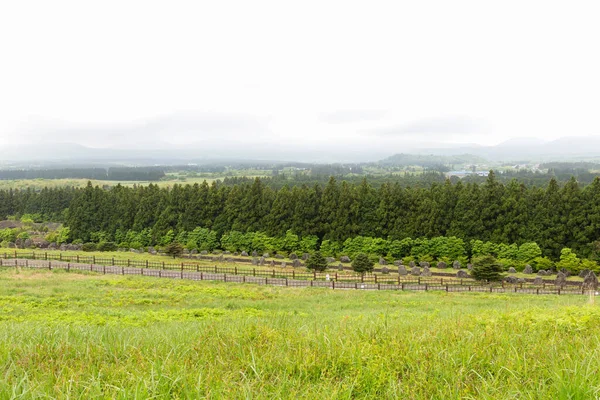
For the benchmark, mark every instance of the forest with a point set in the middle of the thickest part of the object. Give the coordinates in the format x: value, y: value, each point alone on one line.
x: 555, y: 216
x: 112, y: 173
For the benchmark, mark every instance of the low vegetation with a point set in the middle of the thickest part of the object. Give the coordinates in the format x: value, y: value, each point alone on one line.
x: 72, y: 335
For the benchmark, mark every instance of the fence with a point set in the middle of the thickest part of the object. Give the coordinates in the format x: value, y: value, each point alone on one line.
x: 302, y: 280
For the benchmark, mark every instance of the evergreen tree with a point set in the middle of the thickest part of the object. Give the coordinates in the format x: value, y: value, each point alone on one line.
x: 316, y: 262
x: 362, y: 264
x: 486, y: 268
x: 174, y: 249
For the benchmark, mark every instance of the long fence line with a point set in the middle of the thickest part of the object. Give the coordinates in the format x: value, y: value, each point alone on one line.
x: 263, y: 271
x: 420, y: 284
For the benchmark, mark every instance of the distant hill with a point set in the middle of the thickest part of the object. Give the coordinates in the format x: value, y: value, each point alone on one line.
x: 431, y: 160
x: 567, y: 148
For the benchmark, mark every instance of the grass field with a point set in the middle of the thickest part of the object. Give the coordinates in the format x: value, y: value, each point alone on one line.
x: 76, y: 335
x: 169, y: 180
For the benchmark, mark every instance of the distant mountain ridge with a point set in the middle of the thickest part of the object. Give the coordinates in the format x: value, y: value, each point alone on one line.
x: 431, y: 160
x: 562, y: 149
x: 526, y: 148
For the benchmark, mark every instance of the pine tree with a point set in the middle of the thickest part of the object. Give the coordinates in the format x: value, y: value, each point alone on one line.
x: 174, y: 249
x: 486, y: 268
x: 316, y: 262
x: 362, y: 263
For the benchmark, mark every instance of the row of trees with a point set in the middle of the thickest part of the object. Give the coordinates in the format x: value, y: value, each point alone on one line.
x: 112, y: 173
x: 554, y: 217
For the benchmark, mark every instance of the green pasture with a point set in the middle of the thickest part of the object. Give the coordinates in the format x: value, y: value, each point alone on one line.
x: 86, y: 336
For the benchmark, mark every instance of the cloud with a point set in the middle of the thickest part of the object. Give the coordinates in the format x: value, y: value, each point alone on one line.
x: 174, y: 128
x: 349, y: 116
x: 434, y: 127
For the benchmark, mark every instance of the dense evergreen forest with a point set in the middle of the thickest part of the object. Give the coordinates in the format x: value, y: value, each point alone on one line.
x: 111, y: 174
x: 554, y: 216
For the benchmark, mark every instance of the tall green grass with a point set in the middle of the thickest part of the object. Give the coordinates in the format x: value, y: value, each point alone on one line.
x: 70, y: 335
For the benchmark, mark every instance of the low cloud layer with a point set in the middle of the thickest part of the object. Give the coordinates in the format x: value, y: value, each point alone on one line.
x: 350, y: 116
x: 435, y: 128
x: 180, y: 128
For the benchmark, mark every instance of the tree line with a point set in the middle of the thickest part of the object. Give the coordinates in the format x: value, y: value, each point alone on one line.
x: 112, y: 173
x: 554, y: 216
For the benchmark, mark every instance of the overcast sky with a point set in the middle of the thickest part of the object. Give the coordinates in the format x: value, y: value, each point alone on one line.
x: 377, y: 74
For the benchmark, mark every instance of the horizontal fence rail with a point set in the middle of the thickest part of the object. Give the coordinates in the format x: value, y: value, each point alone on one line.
x: 300, y: 279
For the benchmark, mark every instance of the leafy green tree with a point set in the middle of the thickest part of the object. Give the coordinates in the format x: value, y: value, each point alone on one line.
x: 569, y: 261
x: 174, y: 250
x: 542, y: 263
x: 290, y: 242
x: 486, y: 268
x: 362, y: 263
x: 317, y: 262
x: 528, y: 252
x: 329, y: 248
x: 167, y: 237
x: 401, y: 248
x: 308, y: 243
x: 507, y: 251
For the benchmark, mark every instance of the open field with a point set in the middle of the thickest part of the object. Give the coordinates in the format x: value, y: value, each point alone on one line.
x: 81, y: 335
x: 170, y: 180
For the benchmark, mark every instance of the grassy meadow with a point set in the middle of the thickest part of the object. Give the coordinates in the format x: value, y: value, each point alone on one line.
x: 169, y: 180
x: 86, y: 336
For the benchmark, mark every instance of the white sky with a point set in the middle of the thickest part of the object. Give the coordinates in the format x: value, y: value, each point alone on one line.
x: 370, y: 73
